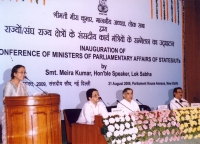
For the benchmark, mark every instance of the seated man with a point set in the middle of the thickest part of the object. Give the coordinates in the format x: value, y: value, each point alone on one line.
x: 92, y: 107
x: 178, y: 101
x: 129, y: 105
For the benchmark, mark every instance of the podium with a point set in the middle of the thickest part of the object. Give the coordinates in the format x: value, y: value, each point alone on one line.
x: 33, y: 119
x: 88, y: 134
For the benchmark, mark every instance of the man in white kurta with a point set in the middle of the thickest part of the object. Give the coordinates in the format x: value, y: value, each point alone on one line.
x: 129, y: 105
x: 92, y: 107
x: 178, y: 102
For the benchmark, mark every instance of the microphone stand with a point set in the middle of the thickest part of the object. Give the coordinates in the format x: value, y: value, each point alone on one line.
x: 183, y: 101
x: 139, y: 101
x: 102, y: 101
x: 36, y: 85
x: 124, y: 106
x: 178, y: 103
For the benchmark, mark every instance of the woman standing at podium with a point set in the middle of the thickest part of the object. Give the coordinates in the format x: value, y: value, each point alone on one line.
x: 14, y: 87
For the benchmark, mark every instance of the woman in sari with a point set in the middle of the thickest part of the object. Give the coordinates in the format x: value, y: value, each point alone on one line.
x: 14, y: 87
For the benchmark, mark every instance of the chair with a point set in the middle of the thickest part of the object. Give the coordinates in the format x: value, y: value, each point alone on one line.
x: 110, y: 108
x: 70, y: 116
x: 144, y: 107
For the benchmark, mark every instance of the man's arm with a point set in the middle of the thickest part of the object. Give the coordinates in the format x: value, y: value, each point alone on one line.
x: 173, y: 105
x: 89, y: 116
x: 185, y: 103
x: 103, y: 109
x: 138, y: 108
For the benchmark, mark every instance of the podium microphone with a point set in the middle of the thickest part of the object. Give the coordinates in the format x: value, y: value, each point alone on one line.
x: 183, y: 101
x: 178, y: 103
x: 102, y: 101
x: 35, y: 85
x: 139, y: 101
x: 124, y: 105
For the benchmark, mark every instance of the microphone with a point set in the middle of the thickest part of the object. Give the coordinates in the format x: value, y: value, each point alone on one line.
x: 182, y: 101
x: 102, y: 101
x: 139, y: 101
x: 35, y: 85
x: 124, y: 106
x: 178, y: 103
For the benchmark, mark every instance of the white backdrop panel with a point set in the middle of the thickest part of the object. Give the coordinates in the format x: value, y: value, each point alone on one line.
x: 38, y: 16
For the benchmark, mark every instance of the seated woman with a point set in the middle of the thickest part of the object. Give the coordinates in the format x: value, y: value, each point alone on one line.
x: 14, y: 87
x: 92, y: 107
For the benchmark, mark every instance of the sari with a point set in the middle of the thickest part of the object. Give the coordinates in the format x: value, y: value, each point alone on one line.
x: 11, y: 90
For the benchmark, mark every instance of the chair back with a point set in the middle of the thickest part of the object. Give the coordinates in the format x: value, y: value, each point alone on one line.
x: 144, y: 107
x: 110, y: 108
x: 70, y: 116
x: 169, y: 106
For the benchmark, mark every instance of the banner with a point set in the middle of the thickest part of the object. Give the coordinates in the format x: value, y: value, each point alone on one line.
x: 69, y: 46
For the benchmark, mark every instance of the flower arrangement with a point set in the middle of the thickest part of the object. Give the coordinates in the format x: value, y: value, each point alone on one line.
x: 120, y: 129
x: 160, y: 126
x: 142, y: 127
x: 189, y: 119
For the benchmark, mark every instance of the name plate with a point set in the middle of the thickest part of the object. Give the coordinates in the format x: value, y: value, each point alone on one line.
x: 117, y: 110
x: 195, y: 104
x: 163, y: 107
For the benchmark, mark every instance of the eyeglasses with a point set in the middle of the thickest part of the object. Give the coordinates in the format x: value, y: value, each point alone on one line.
x: 22, y: 73
x: 96, y: 96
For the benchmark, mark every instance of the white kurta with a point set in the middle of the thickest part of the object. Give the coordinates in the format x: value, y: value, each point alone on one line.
x: 133, y: 106
x: 175, y: 105
x: 89, y: 110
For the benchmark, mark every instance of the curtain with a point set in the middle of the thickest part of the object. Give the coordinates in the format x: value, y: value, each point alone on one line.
x: 191, y: 61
